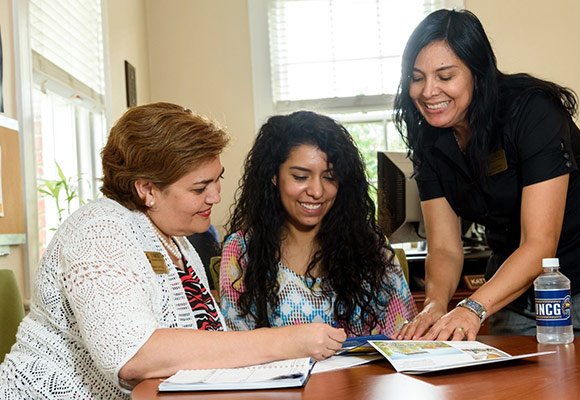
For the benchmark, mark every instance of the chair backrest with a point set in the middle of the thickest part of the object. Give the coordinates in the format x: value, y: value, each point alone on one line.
x: 400, y: 253
x: 214, y: 269
x: 11, y: 310
x: 206, y: 247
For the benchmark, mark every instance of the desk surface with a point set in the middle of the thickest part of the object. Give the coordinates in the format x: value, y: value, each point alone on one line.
x: 553, y: 376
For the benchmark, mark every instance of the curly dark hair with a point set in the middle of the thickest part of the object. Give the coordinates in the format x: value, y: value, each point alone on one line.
x: 496, y: 96
x: 352, y: 256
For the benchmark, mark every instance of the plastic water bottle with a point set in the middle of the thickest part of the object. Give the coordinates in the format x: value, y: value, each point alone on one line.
x: 553, y: 305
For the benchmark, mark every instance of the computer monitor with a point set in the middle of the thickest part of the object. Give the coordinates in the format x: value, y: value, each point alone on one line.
x: 399, y: 207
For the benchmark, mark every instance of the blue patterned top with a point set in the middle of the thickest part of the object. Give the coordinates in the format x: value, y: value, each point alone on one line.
x: 302, y: 300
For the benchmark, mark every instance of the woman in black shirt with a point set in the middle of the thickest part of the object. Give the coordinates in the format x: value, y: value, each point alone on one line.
x: 497, y: 149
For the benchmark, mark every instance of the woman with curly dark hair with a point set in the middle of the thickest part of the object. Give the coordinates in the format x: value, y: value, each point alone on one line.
x: 304, y: 245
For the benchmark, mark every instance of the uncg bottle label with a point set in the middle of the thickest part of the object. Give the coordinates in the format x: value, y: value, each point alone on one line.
x: 553, y: 308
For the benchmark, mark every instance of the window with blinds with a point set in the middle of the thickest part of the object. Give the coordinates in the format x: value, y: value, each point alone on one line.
x: 347, y: 52
x: 66, y: 39
x: 68, y: 104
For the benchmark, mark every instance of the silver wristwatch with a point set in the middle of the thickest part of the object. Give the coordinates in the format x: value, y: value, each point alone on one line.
x: 475, y: 307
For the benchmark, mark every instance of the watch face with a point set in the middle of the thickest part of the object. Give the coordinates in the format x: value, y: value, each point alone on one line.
x: 474, y: 306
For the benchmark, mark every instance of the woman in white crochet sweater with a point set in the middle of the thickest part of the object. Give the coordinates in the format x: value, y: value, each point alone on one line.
x: 120, y: 294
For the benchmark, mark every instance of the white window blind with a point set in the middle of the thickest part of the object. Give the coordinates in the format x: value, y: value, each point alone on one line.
x: 339, y: 54
x: 67, y: 46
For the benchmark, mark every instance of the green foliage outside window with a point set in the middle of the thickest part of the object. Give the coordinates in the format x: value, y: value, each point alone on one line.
x: 63, y: 191
x: 371, y: 137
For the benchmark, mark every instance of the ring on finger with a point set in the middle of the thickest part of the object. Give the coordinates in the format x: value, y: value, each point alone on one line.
x: 460, y: 329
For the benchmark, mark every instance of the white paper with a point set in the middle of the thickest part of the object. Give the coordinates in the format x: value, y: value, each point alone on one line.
x: 340, y: 362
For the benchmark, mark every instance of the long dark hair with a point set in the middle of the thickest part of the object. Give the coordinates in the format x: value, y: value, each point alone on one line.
x: 352, y: 257
x: 464, y: 34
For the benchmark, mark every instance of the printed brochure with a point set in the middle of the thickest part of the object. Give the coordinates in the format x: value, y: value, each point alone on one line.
x: 418, y: 356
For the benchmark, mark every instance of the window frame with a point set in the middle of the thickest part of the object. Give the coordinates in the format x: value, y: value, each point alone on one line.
x: 82, y: 137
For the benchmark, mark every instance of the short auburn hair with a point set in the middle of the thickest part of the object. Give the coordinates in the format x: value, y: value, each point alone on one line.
x: 158, y: 142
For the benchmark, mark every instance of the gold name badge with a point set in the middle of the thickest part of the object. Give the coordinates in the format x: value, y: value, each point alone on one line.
x: 497, y: 163
x: 157, y: 262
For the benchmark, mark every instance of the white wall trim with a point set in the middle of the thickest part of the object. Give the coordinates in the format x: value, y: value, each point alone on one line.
x: 107, y: 67
x: 9, y: 123
x: 23, y: 68
x: 260, y: 58
x: 455, y: 4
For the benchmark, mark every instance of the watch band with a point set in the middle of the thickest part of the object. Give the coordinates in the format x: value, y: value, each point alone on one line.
x: 475, y: 307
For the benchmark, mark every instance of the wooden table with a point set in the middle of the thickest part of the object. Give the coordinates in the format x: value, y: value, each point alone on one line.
x: 554, y: 376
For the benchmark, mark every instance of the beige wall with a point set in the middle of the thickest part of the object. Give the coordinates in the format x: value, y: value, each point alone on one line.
x: 127, y: 40
x: 192, y: 53
x: 200, y: 58
x: 535, y: 36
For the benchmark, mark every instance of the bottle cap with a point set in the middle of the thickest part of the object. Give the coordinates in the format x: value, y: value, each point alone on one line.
x: 550, y: 262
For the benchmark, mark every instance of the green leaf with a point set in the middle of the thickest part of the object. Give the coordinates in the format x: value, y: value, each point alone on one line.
x: 60, y: 173
x: 53, y: 189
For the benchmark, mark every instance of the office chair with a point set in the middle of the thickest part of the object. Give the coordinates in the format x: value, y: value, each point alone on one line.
x: 400, y: 254
x: 11, y: 311
x: 207, y: 247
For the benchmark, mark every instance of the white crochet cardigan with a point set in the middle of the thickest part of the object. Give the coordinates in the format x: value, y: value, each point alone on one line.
x: 97, y: 300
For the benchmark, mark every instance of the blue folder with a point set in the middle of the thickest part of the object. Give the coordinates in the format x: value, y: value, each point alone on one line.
x: 358, y: 344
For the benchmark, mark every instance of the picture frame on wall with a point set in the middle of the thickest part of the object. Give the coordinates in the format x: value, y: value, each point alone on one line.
x: 130, y: 84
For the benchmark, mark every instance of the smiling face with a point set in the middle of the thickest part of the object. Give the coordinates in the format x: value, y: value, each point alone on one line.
x: 184, y: 207
x: 307, y: 187
x: 441, y: 86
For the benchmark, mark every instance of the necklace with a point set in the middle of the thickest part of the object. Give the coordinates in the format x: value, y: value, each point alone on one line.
x: 169, y: 245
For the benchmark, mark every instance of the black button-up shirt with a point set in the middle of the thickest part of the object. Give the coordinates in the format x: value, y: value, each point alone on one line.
x: 540, y: 144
